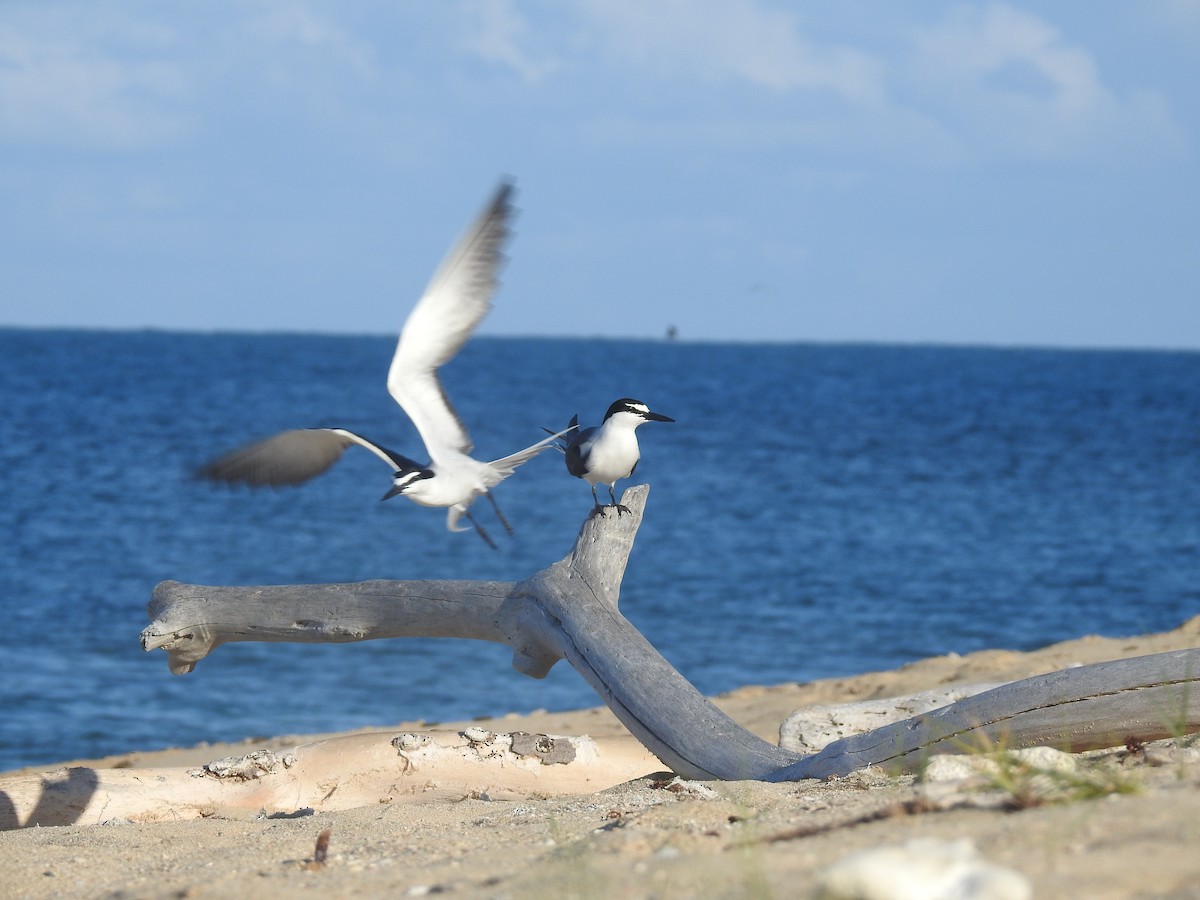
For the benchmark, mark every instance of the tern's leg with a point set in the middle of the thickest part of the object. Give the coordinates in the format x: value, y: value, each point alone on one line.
x: 483, y: 534
x: 499, y: 515
x: 613, y: 497
x: 596, y: 503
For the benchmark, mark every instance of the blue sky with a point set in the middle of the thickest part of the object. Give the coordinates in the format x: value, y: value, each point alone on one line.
x: 1000, y: 173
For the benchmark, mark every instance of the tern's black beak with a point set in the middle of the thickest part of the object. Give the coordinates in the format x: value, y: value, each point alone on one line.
x: 391, y: 493
x: 658, y: 417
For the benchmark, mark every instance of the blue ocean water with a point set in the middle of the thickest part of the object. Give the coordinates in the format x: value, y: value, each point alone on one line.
x: 815, y: 511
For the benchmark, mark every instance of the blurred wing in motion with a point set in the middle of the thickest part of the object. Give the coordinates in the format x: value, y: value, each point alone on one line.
x: 292, y: 457
x: 499, y: 469
x: 455, y: 301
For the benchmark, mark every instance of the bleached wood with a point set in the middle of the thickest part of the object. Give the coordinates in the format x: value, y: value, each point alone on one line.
x: 810, y: 729
x: 339, y: 773
x: 1081, y: 708
x: 189, y: 621
x: 570, y: 610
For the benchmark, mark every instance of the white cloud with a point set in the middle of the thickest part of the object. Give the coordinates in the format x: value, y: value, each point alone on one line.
x: 1008, y: 82
x: 498, y: 33
x: 1182, y: 17
x: 971, y: 46
x: 282, y: 27
x: 718, y: 40
x: 125, y: 76
x: 61, y: 81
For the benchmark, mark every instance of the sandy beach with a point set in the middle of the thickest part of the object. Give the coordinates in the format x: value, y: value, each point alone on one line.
x: 654, y: 836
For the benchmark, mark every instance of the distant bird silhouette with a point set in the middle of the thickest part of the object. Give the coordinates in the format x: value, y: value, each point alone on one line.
x: 607, y: 453
x: 454, y: 303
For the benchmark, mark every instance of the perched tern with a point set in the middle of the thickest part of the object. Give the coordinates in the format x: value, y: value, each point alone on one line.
x: 607, y: 453
x: 454, y: 302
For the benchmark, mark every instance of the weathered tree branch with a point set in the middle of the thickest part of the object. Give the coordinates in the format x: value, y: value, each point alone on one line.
x: 189, y: 621
x: 566, y: 611
x: 570, y: 611
x: 1082, y: 708
x: 339, y: 773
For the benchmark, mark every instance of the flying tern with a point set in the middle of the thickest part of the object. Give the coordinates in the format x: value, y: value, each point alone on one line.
x: 454, y: 302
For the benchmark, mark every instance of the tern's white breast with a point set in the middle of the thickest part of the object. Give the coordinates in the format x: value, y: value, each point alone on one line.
x: 458, y: 481
x: 612, y: 456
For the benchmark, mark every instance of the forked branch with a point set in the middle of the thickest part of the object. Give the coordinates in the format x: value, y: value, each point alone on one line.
x: 570, y: 611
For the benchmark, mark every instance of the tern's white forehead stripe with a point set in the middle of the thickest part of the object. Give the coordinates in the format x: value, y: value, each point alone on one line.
x: 628, y: 405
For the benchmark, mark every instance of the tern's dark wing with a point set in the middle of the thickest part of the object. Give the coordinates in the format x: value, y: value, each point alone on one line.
x: 292, y: 457
x: 577, y: 450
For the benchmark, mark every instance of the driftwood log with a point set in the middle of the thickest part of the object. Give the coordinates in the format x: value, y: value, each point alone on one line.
x: 570, y: 611
x: 345, y: 772
x: 567, y: 611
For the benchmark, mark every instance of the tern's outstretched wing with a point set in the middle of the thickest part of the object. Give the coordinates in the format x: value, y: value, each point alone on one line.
x: 455, y: 301
x: 499, y: 469
x: 292, y: 457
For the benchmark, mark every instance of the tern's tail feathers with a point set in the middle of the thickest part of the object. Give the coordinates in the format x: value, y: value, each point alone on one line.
x: 560, y: 442
x: 499, y: 469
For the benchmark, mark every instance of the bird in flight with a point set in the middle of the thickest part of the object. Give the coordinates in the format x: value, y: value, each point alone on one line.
x: 454, y: 303
x: 607, y: 453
